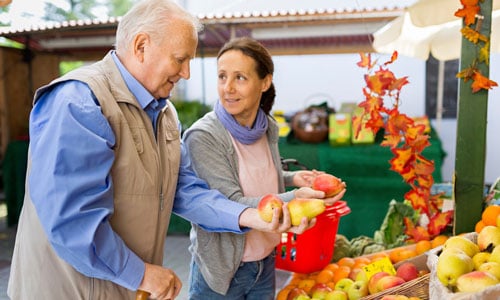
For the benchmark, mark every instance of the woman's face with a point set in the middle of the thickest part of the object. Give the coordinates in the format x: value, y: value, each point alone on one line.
x: 239, y: 86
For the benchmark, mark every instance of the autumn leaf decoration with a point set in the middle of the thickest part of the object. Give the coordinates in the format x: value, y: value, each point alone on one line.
x: 470, y: 13
x: 406, y: 139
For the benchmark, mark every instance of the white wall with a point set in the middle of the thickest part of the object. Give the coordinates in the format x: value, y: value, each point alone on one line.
x: 304, y: 80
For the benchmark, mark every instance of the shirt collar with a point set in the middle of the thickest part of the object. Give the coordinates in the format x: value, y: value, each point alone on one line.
x: 136, y: 88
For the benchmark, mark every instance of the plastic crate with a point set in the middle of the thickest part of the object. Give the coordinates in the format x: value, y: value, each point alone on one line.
x: 312, y: 250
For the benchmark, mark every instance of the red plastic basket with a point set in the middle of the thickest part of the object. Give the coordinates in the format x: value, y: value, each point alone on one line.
x: 312, y: 250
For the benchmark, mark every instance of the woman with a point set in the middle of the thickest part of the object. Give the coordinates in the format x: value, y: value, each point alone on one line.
x: 235, y: 149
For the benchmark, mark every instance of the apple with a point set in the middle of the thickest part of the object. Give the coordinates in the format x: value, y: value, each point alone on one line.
x: 388, y: 282
x: 495, y: 255
x: 267, y: 205
x: 491, y: 267
x: 480, y: 258
x: 361, y: 276
x: 451, y: 265
x: 328, y: 183
x: 469, y: 247
x: 354, y: 273
x: 358, y: 290
x: 295, y: 293
x: 344, y: 284
x: 372, y: 282
x: 319, y: 291
x: 407, y: 270
x: 336, y: 295
x: 475, y: 281
x: 489, y: 235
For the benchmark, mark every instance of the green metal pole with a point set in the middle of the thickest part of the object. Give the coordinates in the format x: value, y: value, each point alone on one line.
x: 471, y: 136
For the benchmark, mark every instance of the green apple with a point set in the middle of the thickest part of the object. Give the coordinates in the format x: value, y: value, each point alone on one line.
x: 344, y: 284
x: 451, y: 265
x: 491, y: 267
x: 475, y: 281
x: 336, y: 295
x: 358, y: 290
x: 489, y: 235
x: 480, y: 258
x: 469, y: 247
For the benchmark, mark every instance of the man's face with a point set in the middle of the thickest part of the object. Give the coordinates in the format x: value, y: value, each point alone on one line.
x: 166, y: 62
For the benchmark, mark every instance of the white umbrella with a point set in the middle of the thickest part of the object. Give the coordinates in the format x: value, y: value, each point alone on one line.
x: 442, y: 40
x: 430, y: 27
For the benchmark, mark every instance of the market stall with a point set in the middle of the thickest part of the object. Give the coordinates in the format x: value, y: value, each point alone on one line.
x: 365, y: 169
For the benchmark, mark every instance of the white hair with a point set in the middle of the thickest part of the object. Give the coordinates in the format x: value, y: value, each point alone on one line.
x: 151, y: 17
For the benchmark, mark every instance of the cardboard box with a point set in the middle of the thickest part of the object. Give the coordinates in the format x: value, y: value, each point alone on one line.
x: 339, y: 129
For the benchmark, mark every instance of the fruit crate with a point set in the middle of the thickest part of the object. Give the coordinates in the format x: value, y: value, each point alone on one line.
x: 418, y: 287
x: 312, y: 250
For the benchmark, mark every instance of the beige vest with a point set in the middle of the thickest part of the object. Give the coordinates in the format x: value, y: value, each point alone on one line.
x: 144, y: 169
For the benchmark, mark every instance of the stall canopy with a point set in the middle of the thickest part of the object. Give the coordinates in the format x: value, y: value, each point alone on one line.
x: 315, y: 31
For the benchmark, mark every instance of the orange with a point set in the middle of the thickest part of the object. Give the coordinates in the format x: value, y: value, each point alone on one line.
x: 332, y: 267
x: 341, y: 272
x: 422, y: 246
x: 378, y: 255
x: 438, y: 240
x: 400, y: 254
x: 346, y: 261
x: 490, y: 214
x: 361, y: 261
x: 306, y: 284
x: 325, y: 276
x: 283, y: 294
x: 479, y: 226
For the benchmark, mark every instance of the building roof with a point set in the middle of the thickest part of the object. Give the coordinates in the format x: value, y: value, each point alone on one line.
x: 290, y: 31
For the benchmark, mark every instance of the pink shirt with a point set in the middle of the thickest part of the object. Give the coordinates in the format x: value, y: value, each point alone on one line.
x: 258, y: 177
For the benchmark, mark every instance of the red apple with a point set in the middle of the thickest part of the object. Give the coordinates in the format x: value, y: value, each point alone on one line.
x: 320, y: 290
x: 372, y: 282
x: 329, y: 184
x: 295, y: 293
x: 407, y: 270
x: 267, y: 205
x: 388, y: 282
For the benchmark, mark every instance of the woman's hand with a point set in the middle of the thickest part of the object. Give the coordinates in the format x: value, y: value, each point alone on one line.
x: 305, y: 178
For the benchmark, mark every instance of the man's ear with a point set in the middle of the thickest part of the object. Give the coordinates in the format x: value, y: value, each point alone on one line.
x: 140, y: 43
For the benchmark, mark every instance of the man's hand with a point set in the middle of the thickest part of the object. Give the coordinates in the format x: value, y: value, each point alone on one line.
x: 250, y: 218
x: 160, y: 282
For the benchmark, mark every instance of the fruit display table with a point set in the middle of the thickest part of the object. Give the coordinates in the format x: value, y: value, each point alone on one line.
x: 365, y: 169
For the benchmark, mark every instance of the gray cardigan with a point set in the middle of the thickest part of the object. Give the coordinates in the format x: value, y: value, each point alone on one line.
x: 218, y: 254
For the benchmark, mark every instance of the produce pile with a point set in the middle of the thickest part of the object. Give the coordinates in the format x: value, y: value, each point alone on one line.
x: 346, y: 278
x: 471, y: 263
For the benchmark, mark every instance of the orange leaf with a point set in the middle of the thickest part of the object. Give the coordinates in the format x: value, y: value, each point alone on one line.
x: 365, y: 61
x: 417, y: 233
x: 481, y: 82
x: 417, y: 200
x: 466, y: 73
x: 394, y: 56
x: 391, y: 140
x: 472, y: 35
x: 439, y: 221
x: 401, y: 158
x: 468, y: 12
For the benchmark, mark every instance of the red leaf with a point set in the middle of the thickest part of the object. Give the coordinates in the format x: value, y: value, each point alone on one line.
x: 439, y: 221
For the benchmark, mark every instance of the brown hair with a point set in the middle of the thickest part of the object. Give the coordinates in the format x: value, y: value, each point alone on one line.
x: 264, y: 62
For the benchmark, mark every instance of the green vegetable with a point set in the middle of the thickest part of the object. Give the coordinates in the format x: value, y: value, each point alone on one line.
x: 391, y: 233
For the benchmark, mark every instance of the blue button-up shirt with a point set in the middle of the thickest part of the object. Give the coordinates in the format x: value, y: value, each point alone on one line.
x: 71, y: 151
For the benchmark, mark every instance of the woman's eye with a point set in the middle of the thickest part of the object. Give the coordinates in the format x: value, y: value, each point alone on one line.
x: 240, y: 77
